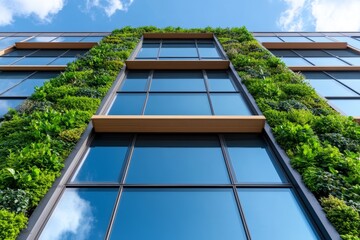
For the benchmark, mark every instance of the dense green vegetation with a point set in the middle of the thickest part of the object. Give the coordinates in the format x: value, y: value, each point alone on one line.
x: 322, y: 145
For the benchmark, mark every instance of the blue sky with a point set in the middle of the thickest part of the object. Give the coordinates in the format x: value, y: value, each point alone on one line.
x: 106, y: 15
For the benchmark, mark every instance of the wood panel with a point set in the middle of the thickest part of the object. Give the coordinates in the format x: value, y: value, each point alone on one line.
x: 178, y: 35
x: 305, y: 45
x: 177, y: 64
x: 55, y: 45
x: 7, y: 50
x: 178, y: 124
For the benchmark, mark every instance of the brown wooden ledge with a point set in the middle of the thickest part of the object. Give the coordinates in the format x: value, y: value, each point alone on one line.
x: 55, y: 45
x: 305, y: 45
x: 178, y: 124
x: 178, y: 35
x: 177, y: 64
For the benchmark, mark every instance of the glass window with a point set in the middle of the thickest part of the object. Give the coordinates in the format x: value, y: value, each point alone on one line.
x: 26, y: 88
x: 343, y: 52
x: 149, y: 50
x: 135, y: 81
x: 5, y: 104
x: 349, y: 107
x: 345, y: 75
x: 44, y: 75
x: 48, y: 53
x: 41, y: 39
x: 178, y: 214
x: 8, y: 60
x: 35, y: 61
x: 349, y: 40
x: 275, y: 214
x: 68, y: 39
x: 171, y: 49
x: 10, y: 41
x: 316, y: 75
x: 352, y: 83
x: 178, y: 104
x: 268, y: 39
x: 312, y: 53
x: 10, y: 79
x: 208, y: 50
x: 284, y: 53
x: 173, y: 81
x: 331, y: 87
x: 91, y: 39
x: 295, y: 61
x: 6, y: 84
x: 229, y: 104
x: 326, y: 61
x: 74, y: 53
x: 19, y: 53
x: 320, y: 39
x: 63, y: 61
x: 82, y: 213
x: 128, y: 104
x: 177, y: 159
x: 105, y: 160
x: 251, y: 160
x: 220, y: 81
x: 355, y: 61
x: 295, y: 39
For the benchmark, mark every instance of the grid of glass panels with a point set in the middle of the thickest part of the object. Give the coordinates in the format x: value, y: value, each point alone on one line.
x: 44, y: 38
x: 324, y: 57
x: 20, y: 57
x: 342, y: 89
x: 294, y: 39
x: 178, y: 187
x: 10, y: 41
x: 15, y: 87
x: 179, y: 93
x: 178, y: 49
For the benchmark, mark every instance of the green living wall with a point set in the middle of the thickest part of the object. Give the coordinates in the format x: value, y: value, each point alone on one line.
x: 35, y: 140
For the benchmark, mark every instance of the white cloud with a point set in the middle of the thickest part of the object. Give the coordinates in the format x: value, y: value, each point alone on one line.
x: 109, y: 6
x: 43, y: 10
x: 325, y: 15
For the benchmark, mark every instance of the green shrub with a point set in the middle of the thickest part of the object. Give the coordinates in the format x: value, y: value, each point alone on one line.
x: 16, y: 201
x: 11, y: 224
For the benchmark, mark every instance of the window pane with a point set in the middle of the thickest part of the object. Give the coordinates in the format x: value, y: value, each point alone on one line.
x: 295, y: 61
x: 81, y: 214
x: 91, y: 39
x: 149, y: 50
x: 48, y: 53
x: 8, y: 60
x: 63, y: 61
x: 5, y: 104
x: 19, y: 53
x: 352, y: 83
x: 295, y: 39
x: 326, y: 61
x: 284, y: 53
x: 220, y: 81
x: 343, y: 52
x: 331, y: 88
x: 163, y: 214
x: 179, y: 159
x: 252, y: 160
x: 320, y: 39
x: 312, y: 53
x: 135, y: 81
x: 178, y: 104
x: 10, y: 79
x: 268, y: 39
x: 25, y: 88
x: 274, y: 214
x: 355, y: 61
x: 41, y: 39
x: 75, y: 53
x: 105, y: 160
x: 44, y: 75
x: 178, y: 81
x: 178, y: 50
x: 128, y: 104
x: 349, y: 107
x: 229, y: 104
x: 67, y: 39
x: 10, y: 41
x: 208, y: 50
x: 349, y: 40
x: 35, y: 61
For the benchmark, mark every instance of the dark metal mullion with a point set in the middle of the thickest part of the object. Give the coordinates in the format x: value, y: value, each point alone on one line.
x: 328, y: 74
x: 160, y: 46
x: 197, y: 50
x: 233, y: 181
x: 180, y: 185
x: 128, y: 160
x: 113, y: 215
x: 343, y: 97
x: 151, y: 74
x: 208, y: 92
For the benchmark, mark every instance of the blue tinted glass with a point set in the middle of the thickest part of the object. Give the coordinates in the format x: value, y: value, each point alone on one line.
x: 320, y: 39
x: 135, y: 81
x: 149, y: 50
x: 177, y: 159
x: 67, y: 39
x: 10, y: 79
x: 105, y: 160
x: 268, y: 39
x: 63, y: 61
x: 163, y: 214
x: 295, y: 39
x: 178, y: 104
x: 326, y: 61
x: 178, y: 81
x: 8, y: 60
x: 220, y: 81
x: 128, y: 104
x: 330, y: 87
x: 26, y: 88
x: 44, y: 75
x: 274, y: 214
x: 5, y: 104
x: 208, y: 50
x: 229, y: 104
x: 349, y: 107
x: 92, y: 39
x: 74, y: 53
x: 8, y: 83
x: 10, y: 41
x: 35, y: 61
x: 251, y: 160
x: 41, y: 39
x: 295, y: 61
x: 178, y: 50
x: 81, y: 214
x: 355, y: 61
x: 48, y: 53
x: 352, y: 83
x: 351, y: 41
x: 19, y: 53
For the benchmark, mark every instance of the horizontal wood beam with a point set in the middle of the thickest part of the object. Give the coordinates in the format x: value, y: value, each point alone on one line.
x: 178, y: 35
x: 55, y: 45
x: 178, y: 124
x: 6, y: 50
x: 177, y: 65
x: 33, y: 68
x: 305, y: 45
x: 325, y: 68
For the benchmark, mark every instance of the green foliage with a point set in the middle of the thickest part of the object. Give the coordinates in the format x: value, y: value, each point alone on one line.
x: 16, y: 201
x: 11, y: 224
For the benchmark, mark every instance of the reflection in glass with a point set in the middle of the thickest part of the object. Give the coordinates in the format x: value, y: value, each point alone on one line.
x: 295, y: 39
x: 10, y: 41
x: 274, y: 214
x: 128, y: 104
x: 229, y: 104
x: 178, y: 50
x: 331, y: 87
x: 349, y: 107
x: 268, y: 39
x: 178, y: 104
x: 173, y: 81
x: 67, y: 39
x: 178, y: 214
x: 352, y: 83
x: 25, y: 88
x: 320, y: 39
x: 326, y: 61
x: 91, y: 39
x: 63, y: 61
x: 35, y: 61
x: 81, y: 214
x: 220, y: 81
x: 208, y: 50
x: 5, y: 84
x: 251, y: 160
x: 171, y: 159
x: 295, y: 61
x: 8, y: 60
x: 149, y: 50
x: 5, y: 104
x: 135, y: 81
x: 41, y: 39
x: 355, y: 61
